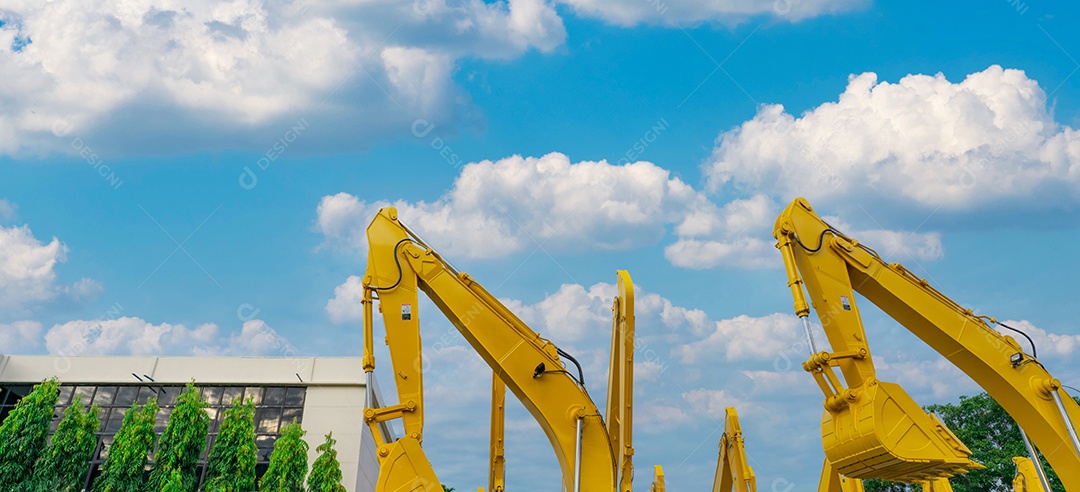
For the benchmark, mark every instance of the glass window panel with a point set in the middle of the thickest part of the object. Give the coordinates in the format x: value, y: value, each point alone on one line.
x: 231, y: 393
x: 84, y: 393
x: 212, y: 395
x: 145, y: 394
x: 125, y: 396
x: 104, y: 395
x: 112, y: 413
x: 266, y: 446
x: 103, y: 414
x: 255, y: 393
x: 167, y: 395
x: 274, y: 396
x: 294, y: 396
x: 65, y: 395
x: 260, y: 469
x: 162, y: 420
x: 266, y: 420
x: 206, y: 449
x: 212, y: 413
x: 114, y: 425
x: 103, y: 447
x: 18, y: 392
x: 290, y: 414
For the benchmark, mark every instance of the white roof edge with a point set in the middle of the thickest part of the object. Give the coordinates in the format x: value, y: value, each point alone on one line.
x: 311, y: 371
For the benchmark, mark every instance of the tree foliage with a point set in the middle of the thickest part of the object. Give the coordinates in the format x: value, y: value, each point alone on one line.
x: 174, y: 483
x: 24, y: 432
x: 233, y: 457
x: 182, y: 442
x: 994, y: 439
x: 62, y: 467
x: 288, y: 462
x: 326, y: 470
x: 124, y: 467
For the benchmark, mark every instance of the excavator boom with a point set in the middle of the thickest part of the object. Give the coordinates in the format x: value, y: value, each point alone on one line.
x: 620, y: 400
x: 873, y: 429
x: 399, y: 266
x: 497, y: 472
x: 733, y: 471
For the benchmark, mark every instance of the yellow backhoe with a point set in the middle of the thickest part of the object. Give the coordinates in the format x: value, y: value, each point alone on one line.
x: 592, y: 455
x: 874, y: 429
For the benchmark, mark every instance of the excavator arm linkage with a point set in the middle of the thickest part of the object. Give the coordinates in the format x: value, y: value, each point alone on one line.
x: 873, y: 429
x: 400, y: 266
x: 733, y: 471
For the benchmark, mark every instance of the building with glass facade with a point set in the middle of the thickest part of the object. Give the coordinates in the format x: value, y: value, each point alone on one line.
x: 322, y: 394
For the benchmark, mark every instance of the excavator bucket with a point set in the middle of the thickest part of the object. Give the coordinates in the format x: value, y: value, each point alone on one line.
x: 882, y: 433
x: 406, y: 469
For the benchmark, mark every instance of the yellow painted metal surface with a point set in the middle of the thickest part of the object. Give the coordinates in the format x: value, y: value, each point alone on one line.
x: 733, y: 471
x: 831, y: 481
x: 620, y: 397
x: 497, y: 463
x: 399, y: 267
x: 893, y: 438
x: 658, y: 479
x: 1027, y: 478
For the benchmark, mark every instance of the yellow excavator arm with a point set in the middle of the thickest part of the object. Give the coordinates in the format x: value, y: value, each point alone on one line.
x: 497, y: 463
x: 873, y: 429
x: 620, y: 397
x: 399, y: 266
x: 831, y: 481
x: 658, y: 480
x: 1028, y: 478
x: 733, y: 471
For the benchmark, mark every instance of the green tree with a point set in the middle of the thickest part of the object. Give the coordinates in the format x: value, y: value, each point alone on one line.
x: 24, y: 432
x: 175, y: 483
x: 124, y: 467
x: 62, y: 467
x: 326, y: 470
x: 447, y: 489
x: 232, y: 459
x: 182, y: 442
x: 993, y: 438
x: 288, y: 462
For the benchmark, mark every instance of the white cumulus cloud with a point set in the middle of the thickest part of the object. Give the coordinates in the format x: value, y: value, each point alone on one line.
x: 737, y: 234
x: 19, y: 336
x: 688, y: 12
x: 26, y: 267
x: 497, y: 208
x: 714, y: 403
x: 28, y: 275
x: 345, y: 306
x: 1046, y: 343
x: 7, y: 210
x: 745, y: 337
x: 136, y: 336
x: 240, y: 72
x: 923, y: 141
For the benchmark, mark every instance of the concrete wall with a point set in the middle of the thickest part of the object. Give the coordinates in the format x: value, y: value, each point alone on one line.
x: 334, y: 401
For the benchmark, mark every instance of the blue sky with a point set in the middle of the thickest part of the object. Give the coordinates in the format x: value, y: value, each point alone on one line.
x: 583, y: 137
